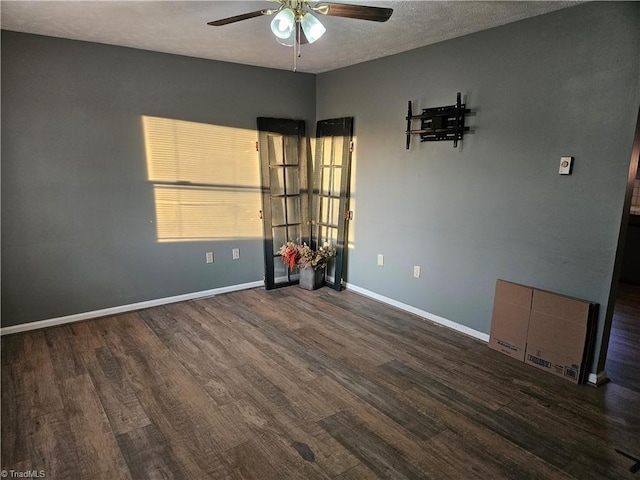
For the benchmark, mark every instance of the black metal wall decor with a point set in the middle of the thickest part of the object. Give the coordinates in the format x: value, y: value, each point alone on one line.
x: 439, y: 123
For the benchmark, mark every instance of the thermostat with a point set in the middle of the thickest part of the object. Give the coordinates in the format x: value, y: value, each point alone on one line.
x: 565, y: 165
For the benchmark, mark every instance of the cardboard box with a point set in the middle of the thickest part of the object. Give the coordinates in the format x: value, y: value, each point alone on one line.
x: 547, y: 330
x: 560, y: 334
x: 555, y: 363
x: 510, y: 319
x: 560, y: 306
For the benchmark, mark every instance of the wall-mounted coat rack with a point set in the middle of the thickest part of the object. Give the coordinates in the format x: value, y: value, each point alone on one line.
x: 439, y: 123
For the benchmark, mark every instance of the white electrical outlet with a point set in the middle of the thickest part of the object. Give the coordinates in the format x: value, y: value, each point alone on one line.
x: 416, y: 271
x: 565, y: 165
x: 235, y: 253
x: 209, y: 257
x: 380, y: 260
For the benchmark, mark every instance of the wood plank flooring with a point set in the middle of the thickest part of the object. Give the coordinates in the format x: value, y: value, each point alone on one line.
x: 292, y: 384
x: 623, y: 356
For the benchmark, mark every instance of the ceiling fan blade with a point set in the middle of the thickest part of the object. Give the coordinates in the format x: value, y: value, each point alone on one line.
x: 238, y: 18
x: 362, y: 12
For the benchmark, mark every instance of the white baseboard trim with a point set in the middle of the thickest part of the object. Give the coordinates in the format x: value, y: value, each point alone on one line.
x: 24, y: 327
x: 597, y: 379
x: 421, y: 313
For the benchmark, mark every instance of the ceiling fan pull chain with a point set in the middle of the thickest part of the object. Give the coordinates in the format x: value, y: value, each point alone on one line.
x: 296, y: 46
x: 295, y: 56
x: 299, y: 37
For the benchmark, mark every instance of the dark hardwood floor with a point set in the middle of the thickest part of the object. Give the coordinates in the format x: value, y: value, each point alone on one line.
x: 623, y: 356
x: 292, y: 384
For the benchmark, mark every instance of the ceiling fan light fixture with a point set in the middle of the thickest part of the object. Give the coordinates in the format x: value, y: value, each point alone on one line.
x: 289, y: 41
x: 283, y: 24
x: 312, y: 27
x: 293, y: 23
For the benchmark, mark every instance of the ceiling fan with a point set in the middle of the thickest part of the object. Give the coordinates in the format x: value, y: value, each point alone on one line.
x: 294, y: 23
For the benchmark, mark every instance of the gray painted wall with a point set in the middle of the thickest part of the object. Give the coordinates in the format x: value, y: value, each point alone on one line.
x: 78, y: 212
x: 566, y: 83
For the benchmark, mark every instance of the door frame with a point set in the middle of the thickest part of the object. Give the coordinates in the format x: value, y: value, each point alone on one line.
x: 600, y: 377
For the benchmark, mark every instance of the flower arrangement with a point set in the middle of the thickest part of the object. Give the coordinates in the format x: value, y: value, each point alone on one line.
x: 303, y: 256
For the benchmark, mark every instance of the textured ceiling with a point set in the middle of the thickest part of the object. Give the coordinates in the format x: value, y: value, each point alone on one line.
x: 180, y: 27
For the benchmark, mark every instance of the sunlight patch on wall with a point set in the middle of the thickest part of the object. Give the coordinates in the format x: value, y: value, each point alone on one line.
x: 206, y: 180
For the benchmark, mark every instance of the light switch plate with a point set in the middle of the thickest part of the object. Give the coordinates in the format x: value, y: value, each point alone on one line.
x: 565, y: 165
